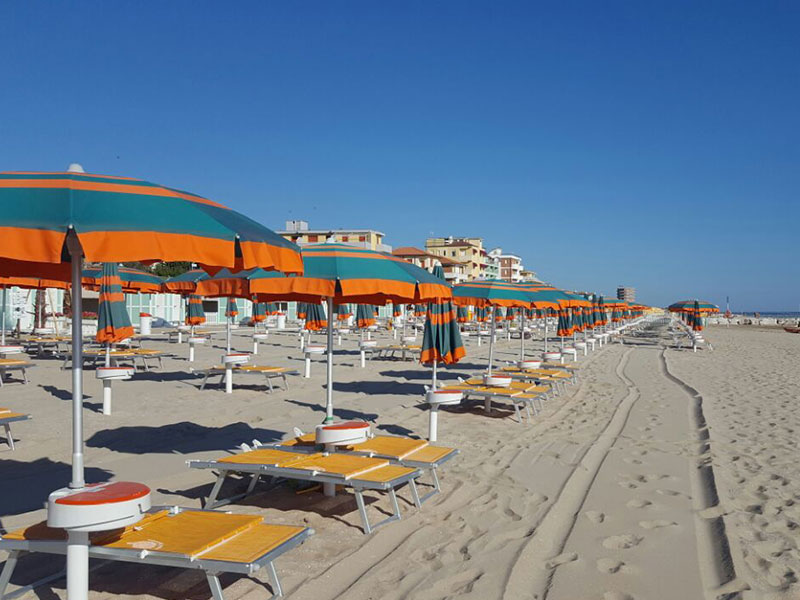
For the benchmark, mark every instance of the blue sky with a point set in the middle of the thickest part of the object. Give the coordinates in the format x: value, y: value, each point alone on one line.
x: 652, y: 144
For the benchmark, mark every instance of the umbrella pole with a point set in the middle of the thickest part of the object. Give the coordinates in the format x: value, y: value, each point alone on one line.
x: 545, y: 332
x: 329, y: 369
x: 435, y: 362
x: 228, y: 334
x: 3, y: 319
x: 491, y: 342
x: 76, y: 253
x: 522, y: 335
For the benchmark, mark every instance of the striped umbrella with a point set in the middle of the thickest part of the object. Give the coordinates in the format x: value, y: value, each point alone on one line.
x: 563, y: 327
x: 272, y: 308
x: 689, y: 306
x: 343, y: 312
x: 195, y: 314
x: 419, y: 310
x: 462, y: 315
x: 132, y: 280
x: 232, y: 310
x: 52, y: 222
x: 185, y: 283
x: 315, y: 317
x: 441, y: 339
x: 499, y: 314
x: 113, y: 323
x: 511, y: 313
x: 481, y: 314
x: 365, y: 315
x: 697, y: 317
x: 259, y: 312
x: 438, y: 271
x: 302, y: 310
x: 397, y: 310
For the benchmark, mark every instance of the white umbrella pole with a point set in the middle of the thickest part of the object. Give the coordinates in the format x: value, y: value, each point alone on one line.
x: 76, y: 253
x: 522, y: 335
x: 435, y: 362
x: 228, y: 333
x: 329, y: 369
x: 491, y: 341
x: 3, y: 319
x: 545, y: 331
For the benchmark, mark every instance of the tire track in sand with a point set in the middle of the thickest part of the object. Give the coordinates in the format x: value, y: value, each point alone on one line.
x: 533, y: 570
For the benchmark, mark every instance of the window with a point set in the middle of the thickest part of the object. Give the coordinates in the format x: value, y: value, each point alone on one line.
x: 313, y: 238
x: 362, y: 238
x: 345, y: 238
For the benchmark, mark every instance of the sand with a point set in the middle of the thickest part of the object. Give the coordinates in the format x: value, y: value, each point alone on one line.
x: 662, y: 474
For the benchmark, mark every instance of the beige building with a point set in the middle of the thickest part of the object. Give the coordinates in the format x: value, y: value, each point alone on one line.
x: 626, y: 294
x: 454, y: 271
x: 299, y: 233
x: 467, y: 251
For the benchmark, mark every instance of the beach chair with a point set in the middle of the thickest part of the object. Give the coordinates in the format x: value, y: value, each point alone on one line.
x: 8, y: 365
x: 410, y: 352
x: 209, y: 541
x: 357, y: 472
x: 493, y: 393
x: 555, y: 377
x: 42, y: 344
x: 542, y: 391
x: 269, y: 373
x: 7, y: 417
x: 405, y: 451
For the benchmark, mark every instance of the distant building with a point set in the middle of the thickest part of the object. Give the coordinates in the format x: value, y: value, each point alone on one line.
x: 299, y: 233
x: 627, y: 294
x: 526, y: 275
x: 467, y: 251
x: 454, y: 271
x: 507, y: 266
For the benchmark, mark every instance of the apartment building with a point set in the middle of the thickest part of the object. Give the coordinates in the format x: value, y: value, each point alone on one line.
x: 628, y: 294
x: 467, y: 251
x: 299, y: 233
x: 454, y: 271
x: 506, y: 266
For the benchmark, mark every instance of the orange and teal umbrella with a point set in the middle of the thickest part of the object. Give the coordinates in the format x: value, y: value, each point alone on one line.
x: 693, y: 306
x: 185, y: 283
x: 343, y: 312
x: 41, y: 210
x: 232, y: 310
x: 272, y: 308
x: 419, y: 310
x: 365, y: 315
x: 397, y: 310
x: 259, y: 312
x: 302, y: 310
x: 441, y: 339
x: 315, y: 317
x: 113, y: 323
x: 511, y: 313
x: 564, y: 327
x: 498, y: 314
x: 462, y: 314
x: 132, y: 280
x: 195, y: 315
x: 481, y: 314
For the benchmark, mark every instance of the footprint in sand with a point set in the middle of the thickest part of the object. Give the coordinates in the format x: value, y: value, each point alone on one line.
x: 617, y: 596
x: 595, y: 516
x: 638, y: 503
x: 657, y: 524
x: 622, y: 542
x: 609, y: 565
x: 561, y: 559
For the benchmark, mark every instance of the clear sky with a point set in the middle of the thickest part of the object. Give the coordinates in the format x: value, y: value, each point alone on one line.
x: 652, y: 144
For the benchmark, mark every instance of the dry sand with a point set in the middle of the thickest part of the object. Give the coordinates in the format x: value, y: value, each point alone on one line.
x: 662, y: 474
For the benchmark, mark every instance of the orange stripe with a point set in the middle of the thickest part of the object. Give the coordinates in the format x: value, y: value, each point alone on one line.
x: 112, y: 297
x: 110, y: 334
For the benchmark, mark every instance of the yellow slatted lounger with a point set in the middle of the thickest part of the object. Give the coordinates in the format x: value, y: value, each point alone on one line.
x: 358, y: 472
x: 409, y: 452
x: 7, y: 417
x: 553, y: 376
x: 213, y: 542
x: 540, y: 390
x: 490, y: 393
x: 269, y: 373
x: 14, y: 364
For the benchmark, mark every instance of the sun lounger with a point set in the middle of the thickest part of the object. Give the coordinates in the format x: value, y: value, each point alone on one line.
x: 357, y: 472
x: 7, y: 417
x: 411, y: 352
x: 42, y: 344
x: 493, y: 393
x: 14, y: 364
x: 542, y: 391
x: 132, y: 356
x: 210, y: 541
x: 558, y: 377
x: 409, y: 452
x: 269, y: 373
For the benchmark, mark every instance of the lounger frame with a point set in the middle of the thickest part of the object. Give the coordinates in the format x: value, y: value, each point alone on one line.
x: 269, y: 375
x: 213, y: 568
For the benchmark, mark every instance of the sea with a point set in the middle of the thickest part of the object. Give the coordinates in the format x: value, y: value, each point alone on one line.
x: 772, y: 315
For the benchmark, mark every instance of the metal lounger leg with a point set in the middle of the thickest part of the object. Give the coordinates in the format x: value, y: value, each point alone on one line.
x: 8, y: 570
x: 277, y: 591
x: 10, y: 440
x: 252, y: 485
x: 216, y: 588
x: 363, y: 511
x: 269, y: 383
x: 211, y: 501
x: 205, y: 381
x: 2, y: 376
x: 436, y: 489
x: 24, y: 375
x: 285, y: 381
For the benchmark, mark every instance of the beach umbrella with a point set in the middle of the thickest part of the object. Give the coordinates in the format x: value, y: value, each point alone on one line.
x: 481, y: 314
x: 185, y: 283
x: 419, y: 310
x: 441, y: 343
x: 272, y: 308
x: 52, y: 222
x: 259, y: 312
x: 462, y: 316
x: 563, y: 327
x: 511, y: 314
x: 689, y: 306
x: 231, y: 310
x: 315, y: 317
x: 113, y: 323
x: 438, y: 271
x: 365, y: 315
x: 26, y: 283
x: 131, y: 280
x: 397, y: 310
x: 697, y: 322
x: 342, y: 273
x: 195, y: 314
x: 343, y: 312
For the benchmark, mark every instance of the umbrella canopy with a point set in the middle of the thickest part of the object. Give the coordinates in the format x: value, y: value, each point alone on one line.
x: 302, y: 310
x: 32, y: 283
x: 397, y: 310
x: 481, y: 314
x: 700, y: 306
x: 462, y: 316
x: 272, y: 308
x: 697, y: 317
x: 365, y: 315
x: 185, y: 283
x: 343, y: 312
x: 419, y: 310
x: 41, y: 210
x: 438, y: 271
x: 315, y: 317
x: 511, y: 313
x: 113, y: 323
x: 132, y: 280
x: 231, y: 310
x: 564, y: 327
x: 194, y: 311
x: 441, y: 339
x: 498, y: 313
x: 259, y: 312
